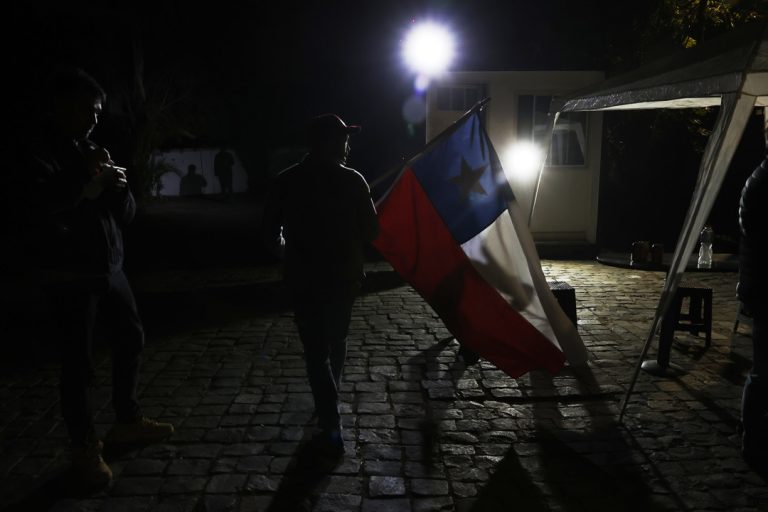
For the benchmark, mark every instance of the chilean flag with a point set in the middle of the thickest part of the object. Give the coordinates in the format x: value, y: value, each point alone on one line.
x: 451, y: 227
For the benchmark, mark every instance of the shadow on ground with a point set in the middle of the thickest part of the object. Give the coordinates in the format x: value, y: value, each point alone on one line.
x: 556, y: 468
x: 45, y: 492
x: 306, y: 475
x: 163, y: 314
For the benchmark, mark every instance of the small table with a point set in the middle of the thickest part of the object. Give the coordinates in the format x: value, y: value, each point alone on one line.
x: 721, y: 262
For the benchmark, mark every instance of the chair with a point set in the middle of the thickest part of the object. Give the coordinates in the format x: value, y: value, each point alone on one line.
x: 698, y: 318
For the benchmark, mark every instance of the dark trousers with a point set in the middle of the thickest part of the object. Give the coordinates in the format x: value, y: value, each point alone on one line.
x: 77, y: 309
x: 754, y: 403
x: 323, y: 322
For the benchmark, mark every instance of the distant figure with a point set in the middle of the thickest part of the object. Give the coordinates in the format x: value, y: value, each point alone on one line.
x: 321, y: 213
x: 222, y: 169
x: 753, y: 283
x: 73, y: 203
x: 192, y: 184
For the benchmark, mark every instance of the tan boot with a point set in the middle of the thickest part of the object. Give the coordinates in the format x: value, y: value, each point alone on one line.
x: 142, y: 431
x: 88, y: 467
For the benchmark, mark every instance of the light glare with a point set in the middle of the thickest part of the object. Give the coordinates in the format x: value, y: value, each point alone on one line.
x: 428, y: 49
x: 522, y: 160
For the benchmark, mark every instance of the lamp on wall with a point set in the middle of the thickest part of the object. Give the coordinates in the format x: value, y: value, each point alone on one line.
x: 522, y: 160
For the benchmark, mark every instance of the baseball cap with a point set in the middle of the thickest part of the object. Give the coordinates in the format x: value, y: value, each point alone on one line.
x: 328, y: 125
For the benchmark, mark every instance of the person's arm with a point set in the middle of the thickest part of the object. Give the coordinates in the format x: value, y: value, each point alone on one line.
x: 47, y: 192
x: 45, y: 202
x: 121, y: 204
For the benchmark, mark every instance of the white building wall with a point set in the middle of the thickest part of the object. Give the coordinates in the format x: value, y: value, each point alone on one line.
x: 566, y: 207
x: 202, y: 159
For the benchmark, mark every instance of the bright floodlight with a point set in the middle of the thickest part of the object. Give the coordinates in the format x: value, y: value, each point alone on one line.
x: 522, y: 160
x: 428, y: 49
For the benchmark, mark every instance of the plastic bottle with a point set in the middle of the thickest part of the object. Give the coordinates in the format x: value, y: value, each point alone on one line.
x: 705, y: 248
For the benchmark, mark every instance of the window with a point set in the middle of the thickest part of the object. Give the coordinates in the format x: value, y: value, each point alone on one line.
x: 459, y: 97
x: 569, y: 144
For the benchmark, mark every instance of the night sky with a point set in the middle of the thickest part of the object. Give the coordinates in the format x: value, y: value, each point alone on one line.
x: 249, y: 74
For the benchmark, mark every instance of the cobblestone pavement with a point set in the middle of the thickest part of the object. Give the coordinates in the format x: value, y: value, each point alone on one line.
x: 227, y: 370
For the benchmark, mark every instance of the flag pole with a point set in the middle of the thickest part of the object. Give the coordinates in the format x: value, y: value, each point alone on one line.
x: 480, y: 105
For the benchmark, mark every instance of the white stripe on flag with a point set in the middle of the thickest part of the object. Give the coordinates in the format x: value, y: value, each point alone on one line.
x: 496, y: 253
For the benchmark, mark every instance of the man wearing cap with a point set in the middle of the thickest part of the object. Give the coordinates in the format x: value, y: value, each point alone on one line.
x: 320, y: 214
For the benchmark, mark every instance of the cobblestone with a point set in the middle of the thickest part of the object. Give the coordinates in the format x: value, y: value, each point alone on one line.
x: 237, y: 392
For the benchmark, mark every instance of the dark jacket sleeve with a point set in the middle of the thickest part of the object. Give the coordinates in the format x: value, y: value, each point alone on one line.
x: 121, y: 204
x: 47, y: 192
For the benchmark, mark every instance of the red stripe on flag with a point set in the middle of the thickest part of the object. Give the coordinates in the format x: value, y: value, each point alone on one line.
x: 413, y: 238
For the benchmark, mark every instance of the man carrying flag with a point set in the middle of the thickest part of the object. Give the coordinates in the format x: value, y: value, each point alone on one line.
x: 451, y: 227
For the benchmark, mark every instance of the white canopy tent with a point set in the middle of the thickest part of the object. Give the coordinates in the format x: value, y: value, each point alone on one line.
x: 730, y: 71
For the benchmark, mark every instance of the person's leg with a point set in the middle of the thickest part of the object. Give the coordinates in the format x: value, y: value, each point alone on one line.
x: 73, y: 307
x: 754, y: 404
x: 311, y: 323
x: 338, y: 318
x: 126, y: 335
x: 127, y: 339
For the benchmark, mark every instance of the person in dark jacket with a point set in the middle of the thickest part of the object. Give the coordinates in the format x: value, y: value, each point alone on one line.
x: 73, y: 203
x: 321, y: 213
x: 752, y: 287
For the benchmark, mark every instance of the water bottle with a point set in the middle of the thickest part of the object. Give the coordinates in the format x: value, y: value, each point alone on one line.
x: 705, y: 249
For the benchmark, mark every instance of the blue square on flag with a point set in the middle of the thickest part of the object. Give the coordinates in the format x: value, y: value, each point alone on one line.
x: 464, y: 180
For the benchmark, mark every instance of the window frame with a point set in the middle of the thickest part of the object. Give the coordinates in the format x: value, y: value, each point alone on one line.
x: 531, y: 136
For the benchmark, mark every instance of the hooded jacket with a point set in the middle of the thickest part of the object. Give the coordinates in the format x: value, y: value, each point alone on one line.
x: 753, y: 250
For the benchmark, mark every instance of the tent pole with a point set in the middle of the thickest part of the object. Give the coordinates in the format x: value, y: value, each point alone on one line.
x: 734, y: 113
x: 551, y: 121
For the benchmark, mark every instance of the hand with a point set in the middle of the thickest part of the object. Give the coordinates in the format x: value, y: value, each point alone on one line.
x: 110, y: 178
x: 96, y: 158
x: 113, y: 176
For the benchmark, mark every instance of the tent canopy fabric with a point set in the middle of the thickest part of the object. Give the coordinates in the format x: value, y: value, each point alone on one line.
x: 697, y: 77
x: 731, y: 72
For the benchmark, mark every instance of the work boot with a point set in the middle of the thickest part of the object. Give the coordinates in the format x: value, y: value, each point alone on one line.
x: 329, y: 443
x: 88, y: 467
x: 141, y: 431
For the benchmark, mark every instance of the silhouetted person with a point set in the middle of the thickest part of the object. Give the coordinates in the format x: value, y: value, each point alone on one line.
x: 222, y: 169
x: 192, y: 184
x: 327, y: 216
x: 73, y: 204
x: 753, y: 283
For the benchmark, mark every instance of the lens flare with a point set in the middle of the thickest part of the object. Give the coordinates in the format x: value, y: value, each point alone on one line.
x: 428, y: 49
x: 415, y: 110
x: 421, y: 83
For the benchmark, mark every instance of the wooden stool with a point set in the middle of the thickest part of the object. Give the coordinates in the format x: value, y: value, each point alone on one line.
x: 697, y: 319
